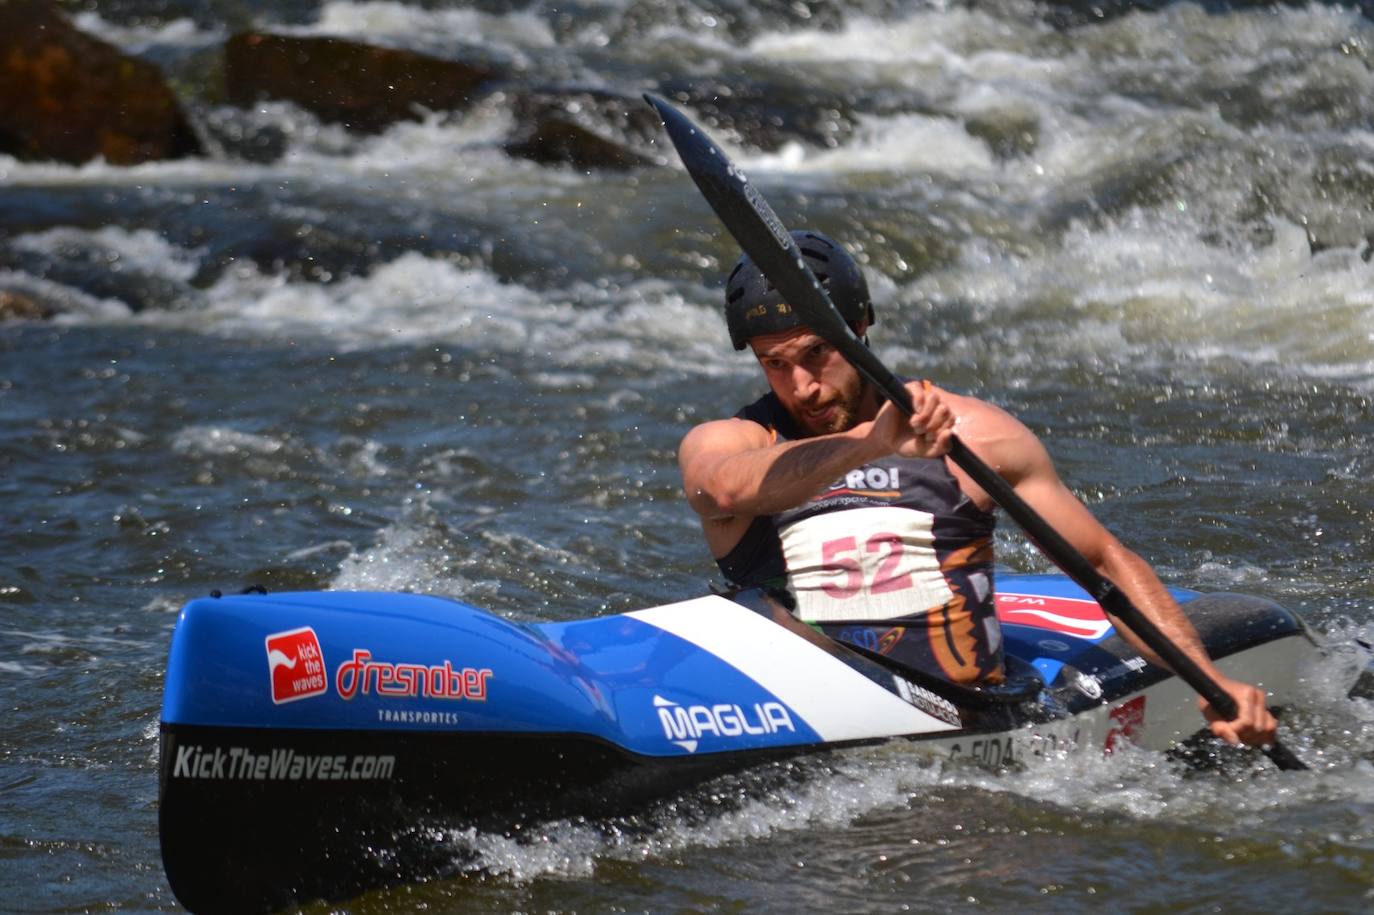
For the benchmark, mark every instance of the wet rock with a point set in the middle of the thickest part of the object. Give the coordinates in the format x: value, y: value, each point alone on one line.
x: 1009, y: 134
x: 69, y: 96
x: 585, y: 128
x: 363, y: 87
x: 16, y: 307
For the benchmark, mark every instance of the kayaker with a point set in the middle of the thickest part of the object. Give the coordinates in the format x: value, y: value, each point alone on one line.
x: 825, y: 495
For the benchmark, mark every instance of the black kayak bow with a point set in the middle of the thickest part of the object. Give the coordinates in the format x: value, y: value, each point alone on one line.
x: 762, y: 236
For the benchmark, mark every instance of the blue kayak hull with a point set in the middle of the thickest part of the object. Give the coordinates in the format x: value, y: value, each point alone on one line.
x: 310, y: 740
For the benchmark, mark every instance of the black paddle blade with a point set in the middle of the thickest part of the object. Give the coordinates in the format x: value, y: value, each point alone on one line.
x: 1285, y: 758
x: 762, y: 236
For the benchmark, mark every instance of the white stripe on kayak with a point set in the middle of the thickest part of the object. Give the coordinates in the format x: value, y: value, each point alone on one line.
x: 1083, y: 628
x: 838, y: 702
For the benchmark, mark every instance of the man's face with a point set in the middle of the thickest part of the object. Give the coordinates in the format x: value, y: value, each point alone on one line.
x: 815, y: 383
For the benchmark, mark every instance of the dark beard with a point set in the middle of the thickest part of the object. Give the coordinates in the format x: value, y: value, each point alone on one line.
x: 846, y: 411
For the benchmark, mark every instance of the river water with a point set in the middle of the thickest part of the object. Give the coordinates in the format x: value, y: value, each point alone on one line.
x: 411, y: 361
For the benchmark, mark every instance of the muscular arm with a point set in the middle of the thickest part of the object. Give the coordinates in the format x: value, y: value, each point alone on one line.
x: 1011, y: 449
x: 731, y: 468
x: 733, y: 472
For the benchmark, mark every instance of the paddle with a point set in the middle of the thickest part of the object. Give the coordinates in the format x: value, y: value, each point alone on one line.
x: 752, y: 222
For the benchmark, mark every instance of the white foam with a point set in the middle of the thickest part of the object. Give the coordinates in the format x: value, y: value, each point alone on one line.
x: 220, y: 440
x: 911, y: 142
x: 413, y: 553
x: 419, y: 299
x: 1131, y: 782
x: 137, y: 38
x: 443, y: 144
x: 941, y: 39
x: 575, y: 849
x: 120, y: 249
x: 1146, y: 284
x: 72, y: 305
x: 515, y: 33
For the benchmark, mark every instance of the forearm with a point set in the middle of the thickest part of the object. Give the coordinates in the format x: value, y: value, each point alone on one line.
x: 1134, y: 577
x: 764, y: 481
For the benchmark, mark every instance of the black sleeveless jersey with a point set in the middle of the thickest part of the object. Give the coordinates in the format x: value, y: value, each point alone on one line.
x: 893, y: 557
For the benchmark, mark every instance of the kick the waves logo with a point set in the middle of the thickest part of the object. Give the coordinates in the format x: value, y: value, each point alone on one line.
x: 295, y: 665
x: 686, y: 725
x: 278, y: 764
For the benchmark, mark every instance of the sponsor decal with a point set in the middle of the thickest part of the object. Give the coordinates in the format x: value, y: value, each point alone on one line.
x: 865, y: 637
x: 991, y: 752
x: 361, y: 675
x: 891, y: 638
x: 875, y: 482
x: 871, y: 639
x: 1073, y: 616
x: 295, y: 665
x: 416, y: 716
x: 932, y: 704
x: 1008, y: 750
x: 1127, y: 719
x: 278, y: 764
x: 686, y: 725
x: 1053, y: 737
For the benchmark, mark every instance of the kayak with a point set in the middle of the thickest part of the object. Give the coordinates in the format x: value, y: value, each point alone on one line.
x: 311, y: 741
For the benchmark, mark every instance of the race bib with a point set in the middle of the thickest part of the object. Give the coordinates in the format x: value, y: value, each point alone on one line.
x: 864, y: 564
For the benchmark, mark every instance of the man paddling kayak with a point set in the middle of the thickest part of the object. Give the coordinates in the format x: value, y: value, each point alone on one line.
x: 823, y: 493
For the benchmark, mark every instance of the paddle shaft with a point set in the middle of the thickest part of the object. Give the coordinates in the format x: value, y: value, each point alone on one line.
x: 752, y: 222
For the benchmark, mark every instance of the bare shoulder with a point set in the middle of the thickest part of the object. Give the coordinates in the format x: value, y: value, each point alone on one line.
x: 999, y: 438
x: 720, y: 436
x: 979, y: 422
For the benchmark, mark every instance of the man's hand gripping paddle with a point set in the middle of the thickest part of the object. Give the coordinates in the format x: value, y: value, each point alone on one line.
x: 752, y: 222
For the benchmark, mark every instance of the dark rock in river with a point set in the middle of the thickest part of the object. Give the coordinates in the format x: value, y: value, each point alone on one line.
x: 16, y: 307
x: 68, y: 96
x: 585, y: 128
x: 1008, y: 133
x: 363, y: 87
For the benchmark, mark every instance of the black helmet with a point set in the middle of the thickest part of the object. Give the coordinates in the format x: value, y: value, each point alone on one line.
x: 753, y: 306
